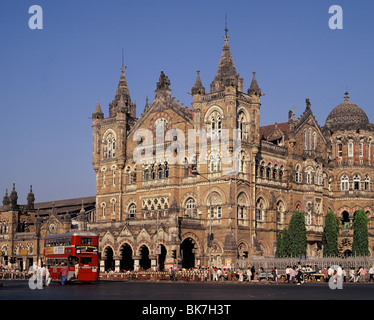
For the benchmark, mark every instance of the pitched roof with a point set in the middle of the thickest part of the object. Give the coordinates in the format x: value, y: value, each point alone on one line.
x: 267, y: 131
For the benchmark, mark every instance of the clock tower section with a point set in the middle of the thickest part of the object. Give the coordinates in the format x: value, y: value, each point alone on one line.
x: 109, y: 149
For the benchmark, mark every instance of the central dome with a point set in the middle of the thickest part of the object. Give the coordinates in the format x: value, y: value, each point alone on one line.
x: 346, y: 116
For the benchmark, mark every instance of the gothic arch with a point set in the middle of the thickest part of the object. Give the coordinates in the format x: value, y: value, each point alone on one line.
x: 210, y: 111
x: 265, y: 250
x: 143, y: 243
x: 218, y: 196
x: 124, y: 242
x: 196, y: 239
x: 107, y: 132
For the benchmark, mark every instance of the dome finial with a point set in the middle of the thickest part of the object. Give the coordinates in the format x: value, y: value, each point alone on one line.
x: 346, y: 97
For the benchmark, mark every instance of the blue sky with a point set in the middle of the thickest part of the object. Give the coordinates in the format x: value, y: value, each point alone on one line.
x: 51, y: 79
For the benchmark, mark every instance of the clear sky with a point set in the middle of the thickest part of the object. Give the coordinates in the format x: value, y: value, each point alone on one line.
x: 51, y: 79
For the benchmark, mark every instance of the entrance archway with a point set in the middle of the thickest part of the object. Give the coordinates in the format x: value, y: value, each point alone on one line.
x: 187, y: 251
x: 145, y: 262
x: 127, y: 262
x: 345, y: 220
x: 161, y: 258
x: 109, y: 261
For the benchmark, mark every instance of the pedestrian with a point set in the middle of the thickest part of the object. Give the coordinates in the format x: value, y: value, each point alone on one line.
x: 42, y: 273
x: 219, y: 274
x: 274, y: 272
x: 371, y: 273
x: 288, y: 274
x: 299, y: 276
x: 76, y: 270
x: 249, y: 274
x: 240, y: 275
x: 47, y: 276
x: 64, y: 273
x: 330, y: 272
x: 253, y: 272
x: 215, y: 278
x: 352, y: 275
x: 362, y: 274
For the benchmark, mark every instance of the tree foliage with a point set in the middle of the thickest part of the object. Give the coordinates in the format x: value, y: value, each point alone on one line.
x: 330, y: 235
x: 360, y: 246
x: 293, y: 242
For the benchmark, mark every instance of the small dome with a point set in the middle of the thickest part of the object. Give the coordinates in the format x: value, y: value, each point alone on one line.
x: 347, y: 115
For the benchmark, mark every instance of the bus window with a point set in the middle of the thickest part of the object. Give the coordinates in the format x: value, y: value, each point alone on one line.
x: 86, y: 240
x: 72, y: 261
x: 86, y: 260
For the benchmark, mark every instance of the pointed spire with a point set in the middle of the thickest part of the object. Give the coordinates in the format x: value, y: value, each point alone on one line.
x: 97, y: 112
x: 13, y: 196
x: 30, y: 199
x: 6, y: 200
x: 122, y: 91
x: 254, y: 89
x: 198, y: 88
x: 226, y: 72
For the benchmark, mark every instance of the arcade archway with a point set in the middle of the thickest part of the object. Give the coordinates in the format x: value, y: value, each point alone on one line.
x: 127, y: 262
x: 187, y: 252
x: 144, y: 262
x: 109, y: 261
x: 162, y: 257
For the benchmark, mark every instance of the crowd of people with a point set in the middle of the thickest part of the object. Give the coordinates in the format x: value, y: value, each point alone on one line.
x: 297, y: 274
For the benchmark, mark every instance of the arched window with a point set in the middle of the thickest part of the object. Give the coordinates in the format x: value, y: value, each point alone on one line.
x: 314, y: 140
x: 356, y: 182
x: 103, y: 206
x: 280, y: 211
x: 281, y: 169
x: 109, y: 145
x: 211, y: 163
x: 219, y: 127
x: 132, y: 210
x: 146, y: 174
x: 260, y: 206
x: 218, y: 163
x: 367, y: 183
x: 262, y: 169
x: 213, y: 128
x: 308, y: 176
x: 350, y: 149
x: 166, y: 168
x: 275, y: 170
x: 344, y: 183
x: 268, y: 171
x: 153, y: 173
x: 160, y: 172
x: 113, y: 202
x: 298, y: 174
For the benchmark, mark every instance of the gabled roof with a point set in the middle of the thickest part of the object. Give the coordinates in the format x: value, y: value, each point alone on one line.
x: 275, y: 131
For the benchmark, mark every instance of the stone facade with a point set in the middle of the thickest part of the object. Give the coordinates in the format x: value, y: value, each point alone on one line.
x: 23, y: 228
x: 199, y: 213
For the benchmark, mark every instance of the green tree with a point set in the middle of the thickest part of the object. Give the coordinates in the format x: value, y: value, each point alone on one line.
x: 279, y: 253
x: 297, y: 235
x: 360, y: 245
x: 286, y: 243
x: 330, y: 236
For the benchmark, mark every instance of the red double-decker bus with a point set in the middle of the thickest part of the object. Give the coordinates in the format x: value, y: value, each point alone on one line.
x: 78, y: 250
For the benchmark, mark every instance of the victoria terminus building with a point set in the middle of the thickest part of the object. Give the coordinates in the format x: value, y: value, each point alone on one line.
x: 199, y: 211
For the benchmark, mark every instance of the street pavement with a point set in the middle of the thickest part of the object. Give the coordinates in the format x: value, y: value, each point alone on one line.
x: 166, y: 290
x: 181, y: 300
